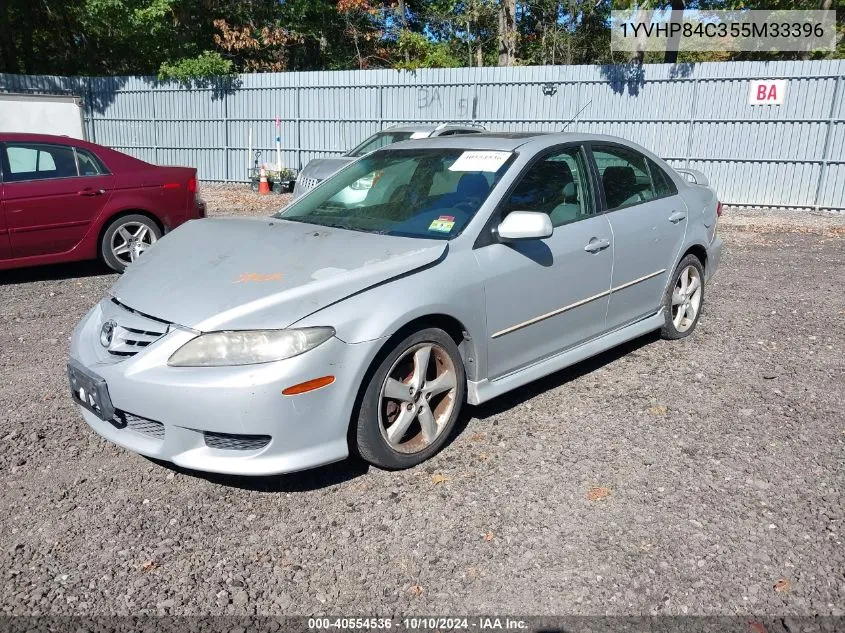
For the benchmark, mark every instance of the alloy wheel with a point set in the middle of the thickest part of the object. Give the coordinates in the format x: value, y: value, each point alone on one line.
x: 131, y: 240
x: 686, y: 299
x: 417, y: 398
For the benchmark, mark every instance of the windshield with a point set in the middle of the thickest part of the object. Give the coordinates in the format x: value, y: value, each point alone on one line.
x: 426, y: 193
x: 379, y: 140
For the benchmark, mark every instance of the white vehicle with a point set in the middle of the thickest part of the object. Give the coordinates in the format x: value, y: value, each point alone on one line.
x: 60, y: 115
x: 319, y: 169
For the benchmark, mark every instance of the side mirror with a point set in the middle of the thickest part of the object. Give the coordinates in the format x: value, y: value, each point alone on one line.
x: 525, y: 225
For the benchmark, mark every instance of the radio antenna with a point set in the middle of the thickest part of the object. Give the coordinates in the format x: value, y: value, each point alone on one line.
x: 576, y: 115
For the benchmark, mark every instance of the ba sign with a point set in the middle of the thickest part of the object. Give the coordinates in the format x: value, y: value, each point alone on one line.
x: 766, y: 92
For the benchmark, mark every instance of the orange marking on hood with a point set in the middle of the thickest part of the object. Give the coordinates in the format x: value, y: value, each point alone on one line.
x: 258, y: 277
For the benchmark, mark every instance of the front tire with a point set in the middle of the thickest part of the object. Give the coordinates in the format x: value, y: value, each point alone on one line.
x: 684, y: 299
x: 126, y: 239
x: 411, y: 403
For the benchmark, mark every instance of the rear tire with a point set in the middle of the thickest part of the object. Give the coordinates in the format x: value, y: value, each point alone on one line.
x: 411, y: 403
x: 684, y: 299
x: 126, y: 239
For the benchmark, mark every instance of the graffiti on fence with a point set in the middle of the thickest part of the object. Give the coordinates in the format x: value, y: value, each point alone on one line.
x: 427, y: 96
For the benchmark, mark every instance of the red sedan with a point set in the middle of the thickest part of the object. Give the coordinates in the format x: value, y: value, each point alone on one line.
x: 63, y: 199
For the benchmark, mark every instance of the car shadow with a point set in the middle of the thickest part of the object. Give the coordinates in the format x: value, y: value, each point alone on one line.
x: 54, y: 272
x: 354, y: 467
x: 522, y: 394
x: 304, y: 481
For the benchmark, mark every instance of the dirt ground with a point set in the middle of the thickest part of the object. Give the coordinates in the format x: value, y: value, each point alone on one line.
x: 696, y: 477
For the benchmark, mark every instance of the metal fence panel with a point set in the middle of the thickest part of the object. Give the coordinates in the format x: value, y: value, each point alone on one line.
x: 694, y: 115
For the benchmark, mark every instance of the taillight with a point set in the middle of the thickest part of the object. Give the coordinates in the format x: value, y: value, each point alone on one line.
x: 193, y: 186
x: 718, y: 209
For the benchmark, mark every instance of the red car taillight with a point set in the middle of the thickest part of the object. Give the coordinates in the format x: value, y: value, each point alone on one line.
x: 718, y: 209
x: 192, y: 185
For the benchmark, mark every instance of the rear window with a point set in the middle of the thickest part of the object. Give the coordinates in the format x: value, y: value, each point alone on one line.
x: 663, y: 184
x: 379, y: 140
x: 89, y: 165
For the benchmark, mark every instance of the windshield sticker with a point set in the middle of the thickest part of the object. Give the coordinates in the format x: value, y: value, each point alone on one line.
x: 442, y: 224
x: 480, y: 161
x: 419, y: 135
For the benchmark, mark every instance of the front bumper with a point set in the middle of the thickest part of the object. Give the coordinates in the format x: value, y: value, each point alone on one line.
x: 231, y: 420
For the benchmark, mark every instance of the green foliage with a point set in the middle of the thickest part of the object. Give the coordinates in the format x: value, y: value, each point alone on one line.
x: 423, y: 52
x: 206, y: 65
x: 190, y: 39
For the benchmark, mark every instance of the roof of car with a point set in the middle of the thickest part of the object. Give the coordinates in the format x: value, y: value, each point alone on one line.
x: 39, y: 138
x: 431, y: 127
x: 506, y: 141
x: 113, y: 158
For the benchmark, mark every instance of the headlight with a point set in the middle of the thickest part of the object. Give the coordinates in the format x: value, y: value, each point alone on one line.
x: 217, y: 349
x: 363, y: 183
x: 367, y: 182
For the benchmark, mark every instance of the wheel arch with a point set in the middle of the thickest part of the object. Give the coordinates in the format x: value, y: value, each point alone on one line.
x: 699, y: 251
x: 446, y: 322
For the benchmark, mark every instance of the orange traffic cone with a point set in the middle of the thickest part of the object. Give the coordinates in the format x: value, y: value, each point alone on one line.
x: 263, y: 185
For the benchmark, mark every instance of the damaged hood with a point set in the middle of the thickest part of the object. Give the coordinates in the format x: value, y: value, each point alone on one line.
x: 322, y: 168
x: 262, y: 273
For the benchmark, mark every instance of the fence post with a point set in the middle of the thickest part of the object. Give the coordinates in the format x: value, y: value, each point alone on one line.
x: 155, y: 125
x: 226, y: 134
x: 691, y: 123
x: 297, y: 90
x: 90, y: 108
x: 826, y: 150
x: 380, y: 107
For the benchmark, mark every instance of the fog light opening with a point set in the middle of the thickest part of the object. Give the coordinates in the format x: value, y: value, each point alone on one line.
x: 309, y: 385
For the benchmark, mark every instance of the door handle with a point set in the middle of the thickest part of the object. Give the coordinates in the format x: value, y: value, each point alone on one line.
x: 595, y: 245
x: 677, y: 216
x: 88, y: 191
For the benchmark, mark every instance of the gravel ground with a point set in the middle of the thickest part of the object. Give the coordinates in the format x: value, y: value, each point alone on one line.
x: 696, y: 477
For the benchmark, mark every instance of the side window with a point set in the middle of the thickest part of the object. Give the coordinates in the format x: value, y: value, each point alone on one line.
x: 663, y: 184
x: 624, y: 176
x: 556, y: 185
x: 39, y: 162
x: 89, y: 165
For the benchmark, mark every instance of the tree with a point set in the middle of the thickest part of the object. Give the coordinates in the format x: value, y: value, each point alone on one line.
x: 507, y: 32
x: 203, y: 38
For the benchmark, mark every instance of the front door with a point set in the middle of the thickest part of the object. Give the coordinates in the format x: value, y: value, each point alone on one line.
x: 49, y: 206
x: 649, y: 221
x: 544, y: 296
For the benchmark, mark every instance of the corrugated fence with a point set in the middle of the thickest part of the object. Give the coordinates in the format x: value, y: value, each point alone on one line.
x: 693, y: 115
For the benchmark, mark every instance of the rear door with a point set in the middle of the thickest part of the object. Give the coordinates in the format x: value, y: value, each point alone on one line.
x: 544, y: 296
x: 5, y: 247
x: 51, y: 193
x: 649, y: 221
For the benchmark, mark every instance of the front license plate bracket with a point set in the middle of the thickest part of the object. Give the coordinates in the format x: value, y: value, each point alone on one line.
x: 90, y: 390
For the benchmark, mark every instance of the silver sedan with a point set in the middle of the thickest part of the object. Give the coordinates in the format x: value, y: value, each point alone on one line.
x: 473, y: 265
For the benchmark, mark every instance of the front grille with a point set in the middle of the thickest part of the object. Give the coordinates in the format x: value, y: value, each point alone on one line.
x: 231, y: 442
x: 308, y: 183
x: 150, y: 428
x: 133, y: 330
